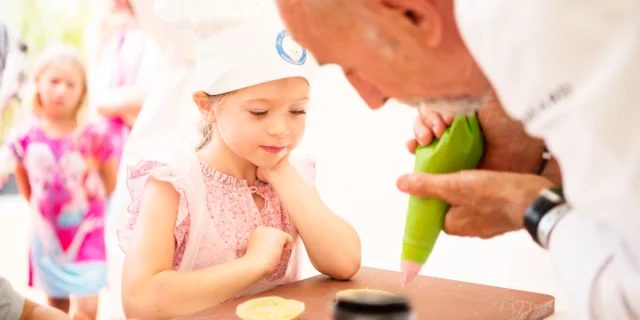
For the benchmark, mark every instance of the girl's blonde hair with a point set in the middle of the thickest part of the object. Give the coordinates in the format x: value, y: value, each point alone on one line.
x: 52, y: 55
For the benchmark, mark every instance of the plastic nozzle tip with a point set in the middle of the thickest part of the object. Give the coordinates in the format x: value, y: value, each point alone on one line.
x: 409, y: 271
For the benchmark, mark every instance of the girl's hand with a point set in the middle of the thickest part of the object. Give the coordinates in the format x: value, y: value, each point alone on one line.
x: 266, y: 246
x: 428, y: 126
x: 266, y: 174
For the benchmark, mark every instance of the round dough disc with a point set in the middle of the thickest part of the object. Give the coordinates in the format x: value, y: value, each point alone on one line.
x: 270, y: 308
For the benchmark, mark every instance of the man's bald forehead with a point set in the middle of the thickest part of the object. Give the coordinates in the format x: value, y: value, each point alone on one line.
x: 403, y: 49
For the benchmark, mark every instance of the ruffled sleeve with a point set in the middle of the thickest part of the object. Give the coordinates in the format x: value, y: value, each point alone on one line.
x: 137, y: 177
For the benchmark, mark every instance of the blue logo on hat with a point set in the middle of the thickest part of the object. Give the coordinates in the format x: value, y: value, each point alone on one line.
x: 289, y: 50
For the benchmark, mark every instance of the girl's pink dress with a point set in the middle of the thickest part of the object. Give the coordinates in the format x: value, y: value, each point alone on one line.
x: 67, y: 254
x: 232, y: 215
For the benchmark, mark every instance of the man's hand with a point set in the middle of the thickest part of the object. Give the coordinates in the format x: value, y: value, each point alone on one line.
x: 484, y: 203
x: 507, y: 145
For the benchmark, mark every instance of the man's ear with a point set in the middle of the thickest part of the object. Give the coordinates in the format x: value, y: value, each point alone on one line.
x: 423, y: 15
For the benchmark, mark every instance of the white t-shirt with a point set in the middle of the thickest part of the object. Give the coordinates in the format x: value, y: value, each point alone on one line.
x: 11, y: 302
x: 570, y: 70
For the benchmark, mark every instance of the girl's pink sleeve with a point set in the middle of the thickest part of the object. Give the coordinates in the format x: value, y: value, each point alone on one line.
x: 137, y: 177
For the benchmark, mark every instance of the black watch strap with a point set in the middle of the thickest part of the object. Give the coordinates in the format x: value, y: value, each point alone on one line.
x: 546, y: 156
x: 549, y: 199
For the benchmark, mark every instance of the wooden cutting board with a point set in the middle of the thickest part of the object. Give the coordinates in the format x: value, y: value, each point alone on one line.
x: 431, y: 298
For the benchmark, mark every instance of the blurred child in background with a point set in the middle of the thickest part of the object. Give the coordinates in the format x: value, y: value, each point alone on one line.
x: 65, y: 168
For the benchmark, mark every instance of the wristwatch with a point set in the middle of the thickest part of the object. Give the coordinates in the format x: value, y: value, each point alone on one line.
x: 544, y: 214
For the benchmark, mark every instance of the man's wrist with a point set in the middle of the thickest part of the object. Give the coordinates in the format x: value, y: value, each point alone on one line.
x: 542, y: 215
x: 527, y: 195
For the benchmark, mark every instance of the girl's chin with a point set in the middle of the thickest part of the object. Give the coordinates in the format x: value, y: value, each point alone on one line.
x: 267, y: 161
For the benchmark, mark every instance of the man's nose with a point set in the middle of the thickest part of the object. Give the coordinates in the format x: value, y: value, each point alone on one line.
x: 371, y: 95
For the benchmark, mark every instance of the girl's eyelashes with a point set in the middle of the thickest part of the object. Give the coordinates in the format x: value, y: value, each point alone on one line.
x: 297, y: 110
x: 264, y: 113
x: 300, y: 108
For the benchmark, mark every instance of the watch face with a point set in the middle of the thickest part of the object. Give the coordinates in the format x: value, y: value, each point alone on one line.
x: 551, y: 195
x: 549, y: 221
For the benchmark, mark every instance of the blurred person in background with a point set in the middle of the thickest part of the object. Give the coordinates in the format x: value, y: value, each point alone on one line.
x: 12, y: 54
x: 65, y: 169
x: 12, y: 68
x: 13, y: 306
x: 33, y: 24
x: 123, y: 61
x: 4, y: 52
x: 160, y: 39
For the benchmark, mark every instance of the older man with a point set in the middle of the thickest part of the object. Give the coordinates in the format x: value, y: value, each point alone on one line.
x: 567, y: 70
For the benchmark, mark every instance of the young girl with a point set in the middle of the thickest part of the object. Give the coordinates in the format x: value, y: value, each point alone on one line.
x: 223, y: 222
x: 65, y: 170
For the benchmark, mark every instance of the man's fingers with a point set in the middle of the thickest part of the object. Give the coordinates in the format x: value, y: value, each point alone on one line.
x: 423, y: 134
x: 443, y: 186
x: 456, y: 221
x: 468, y: 221
x: 462, y: 187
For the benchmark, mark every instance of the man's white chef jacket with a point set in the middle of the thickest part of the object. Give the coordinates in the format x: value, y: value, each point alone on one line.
x: 570, y: 70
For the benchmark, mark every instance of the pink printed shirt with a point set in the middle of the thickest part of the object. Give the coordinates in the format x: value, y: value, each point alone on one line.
x: 233, y: 215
